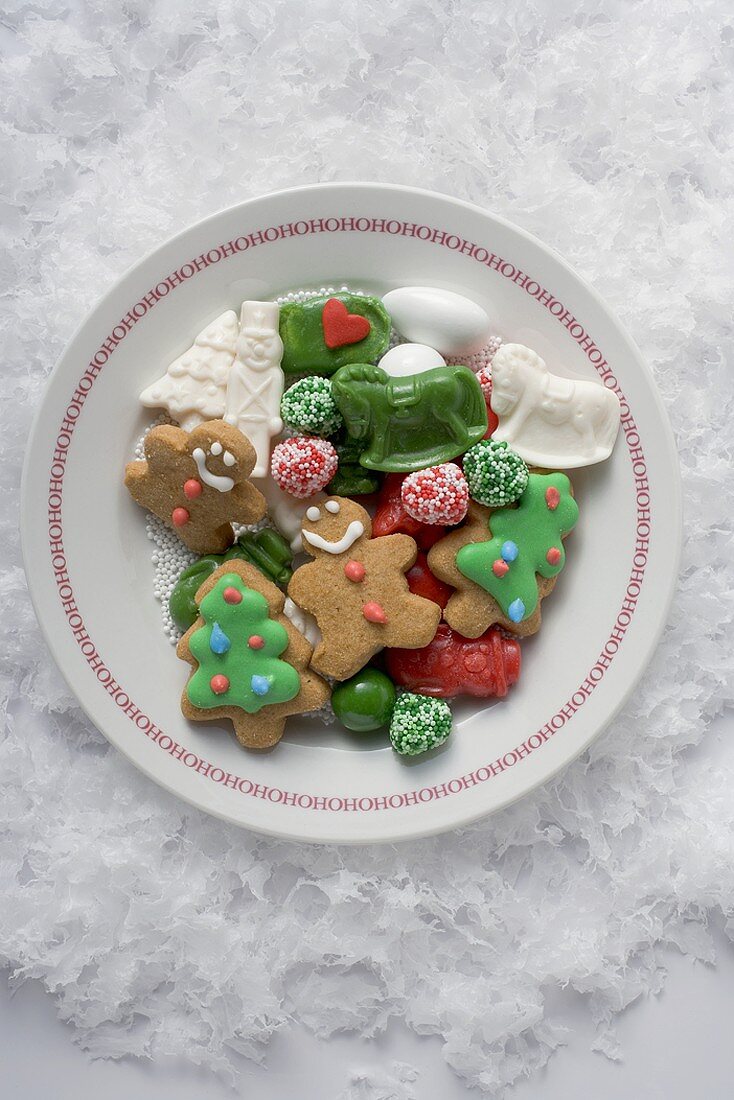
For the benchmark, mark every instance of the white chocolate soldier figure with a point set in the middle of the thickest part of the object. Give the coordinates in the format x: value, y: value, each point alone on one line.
x: 255, y: 384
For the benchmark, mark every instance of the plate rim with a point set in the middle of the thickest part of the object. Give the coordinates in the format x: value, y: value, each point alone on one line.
x: 662, y: 606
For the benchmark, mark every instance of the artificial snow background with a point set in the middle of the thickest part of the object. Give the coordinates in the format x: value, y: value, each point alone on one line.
x: 605, y: 128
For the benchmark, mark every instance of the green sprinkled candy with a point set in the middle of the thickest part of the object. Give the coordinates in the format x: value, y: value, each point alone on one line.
x: 419, y: 723
x: 309, y: 407
x: 496, y: 476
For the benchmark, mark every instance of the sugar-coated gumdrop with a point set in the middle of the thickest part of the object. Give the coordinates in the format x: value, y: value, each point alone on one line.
x: 303, y: 465
x: 309, y: 407
x: 453, y: 665
x: 496, y: 475
x: 438, y: 495
x: 419, y: 723
x: 365, y: 702
x: 219, y: 684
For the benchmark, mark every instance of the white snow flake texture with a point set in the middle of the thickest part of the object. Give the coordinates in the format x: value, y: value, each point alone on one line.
x: 607, y: 130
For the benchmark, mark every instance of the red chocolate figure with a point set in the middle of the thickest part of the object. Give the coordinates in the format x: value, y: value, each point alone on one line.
x: 453, y: 665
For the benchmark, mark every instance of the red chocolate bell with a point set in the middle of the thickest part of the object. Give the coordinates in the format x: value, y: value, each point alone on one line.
x: 453, y: 665
x: 422, y: 582
x: 391, y: 517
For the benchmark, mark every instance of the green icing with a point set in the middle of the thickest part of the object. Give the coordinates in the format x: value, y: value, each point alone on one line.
x: 301, y: 331
x: 238, y: 622
x: 532, y: 529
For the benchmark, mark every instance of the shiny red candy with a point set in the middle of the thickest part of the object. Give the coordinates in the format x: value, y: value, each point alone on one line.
x: 453, y: 665
x: 391, y: 517
x: 422, y: 582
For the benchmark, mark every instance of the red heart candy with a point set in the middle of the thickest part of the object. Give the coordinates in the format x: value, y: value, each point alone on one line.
x: 340, y: 327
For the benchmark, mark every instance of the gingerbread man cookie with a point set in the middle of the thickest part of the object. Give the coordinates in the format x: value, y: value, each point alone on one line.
x: 250, y: 663
x: 504, y: 562
x: 357, y: 590
x: 197, y: 482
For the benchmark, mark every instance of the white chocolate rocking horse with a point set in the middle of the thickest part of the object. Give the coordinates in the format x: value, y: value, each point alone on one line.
x: 553, y: 422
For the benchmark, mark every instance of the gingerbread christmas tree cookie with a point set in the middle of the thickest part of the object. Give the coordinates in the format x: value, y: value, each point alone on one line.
x: 198, y: 483
x: 357, y: 590
x: 503, y: 563
x: 250, y: 662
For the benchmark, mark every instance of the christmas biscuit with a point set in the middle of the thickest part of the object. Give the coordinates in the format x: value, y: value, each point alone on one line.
x: 197, y: 482
x: 250, y: 662
x: 357, y: 590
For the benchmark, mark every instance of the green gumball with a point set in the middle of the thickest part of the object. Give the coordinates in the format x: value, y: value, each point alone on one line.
x: 365, y: 702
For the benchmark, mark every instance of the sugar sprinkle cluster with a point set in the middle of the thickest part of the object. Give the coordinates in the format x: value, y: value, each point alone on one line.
x: 437, y: 495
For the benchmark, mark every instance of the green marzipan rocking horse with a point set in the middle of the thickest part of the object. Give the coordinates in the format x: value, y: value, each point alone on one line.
x: 412, y: 422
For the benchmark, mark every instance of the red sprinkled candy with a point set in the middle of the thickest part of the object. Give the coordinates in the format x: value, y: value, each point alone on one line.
x: 232, y: 595
x: 553, y: 556
x: 256, y: 641
x: 500, y: 567
x: 179, y: 516
x: 219, y: 684
x: 354, y: 571
x: 374, y: 613
x: 552, y: 497
x: 192, y: 489
x: 439, y: 494
x: 303, y: 465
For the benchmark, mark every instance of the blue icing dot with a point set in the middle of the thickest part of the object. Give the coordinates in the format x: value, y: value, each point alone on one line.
x: 509, y: 550
x: 516, y: 610
x: 218, y: 642
x: 260, y: 685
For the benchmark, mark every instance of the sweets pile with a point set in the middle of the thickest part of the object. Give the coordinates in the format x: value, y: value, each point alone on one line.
x: 415, y: 508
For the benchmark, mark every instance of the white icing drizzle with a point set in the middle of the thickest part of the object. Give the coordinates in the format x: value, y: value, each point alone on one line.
x: 354, y: 531
x: 215, y: 481
x: 333, y: 506
x: 313, y: 513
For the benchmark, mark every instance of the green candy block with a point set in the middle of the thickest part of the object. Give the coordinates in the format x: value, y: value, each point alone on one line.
x: 313, y: 343
x: 526, y: 540
x: 351, y: 479
x: 266, y: 550
x: 411, y: 422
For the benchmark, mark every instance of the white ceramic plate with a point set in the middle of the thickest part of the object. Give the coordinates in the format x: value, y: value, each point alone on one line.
x: 89, y: 562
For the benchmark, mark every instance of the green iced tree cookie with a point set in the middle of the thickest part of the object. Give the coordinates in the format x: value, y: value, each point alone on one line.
x: 237, y: 650
x: 526, y: 540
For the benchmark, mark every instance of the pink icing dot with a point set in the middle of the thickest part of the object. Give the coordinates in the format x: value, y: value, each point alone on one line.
x: 354, y: 571
x: 499, y: 567
x: 553, y: 556
x: 179, y: 516
x: 231, y: 595
x: 192, y: 489
x: 219, y: 684
x: 552, y: 497
x: 374, y: 613
x: 256, y: 641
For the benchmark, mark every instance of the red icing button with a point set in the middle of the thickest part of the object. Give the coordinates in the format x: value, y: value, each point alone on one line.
x: 231, y: 595
x: 192, y: 489
x: 553, y: 556
x: 179, y: 516
x: 256, y: 641
x: 500, y: 567
x: 552, y: 497
x: 341, y: 327
x: 354, y: 571
x: 219, y: 684
x: 373, y: 613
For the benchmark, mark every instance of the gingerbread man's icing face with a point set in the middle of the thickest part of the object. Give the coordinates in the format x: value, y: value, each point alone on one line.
x: 333, y: 526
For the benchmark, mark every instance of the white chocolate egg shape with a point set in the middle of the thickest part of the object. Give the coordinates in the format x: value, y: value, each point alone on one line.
x: 405, y: 359
x: 553, y: 422
x: 449, y: 322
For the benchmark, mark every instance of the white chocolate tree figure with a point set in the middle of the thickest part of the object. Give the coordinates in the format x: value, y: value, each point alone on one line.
x: 194, y: 387
x: 255, y: 384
